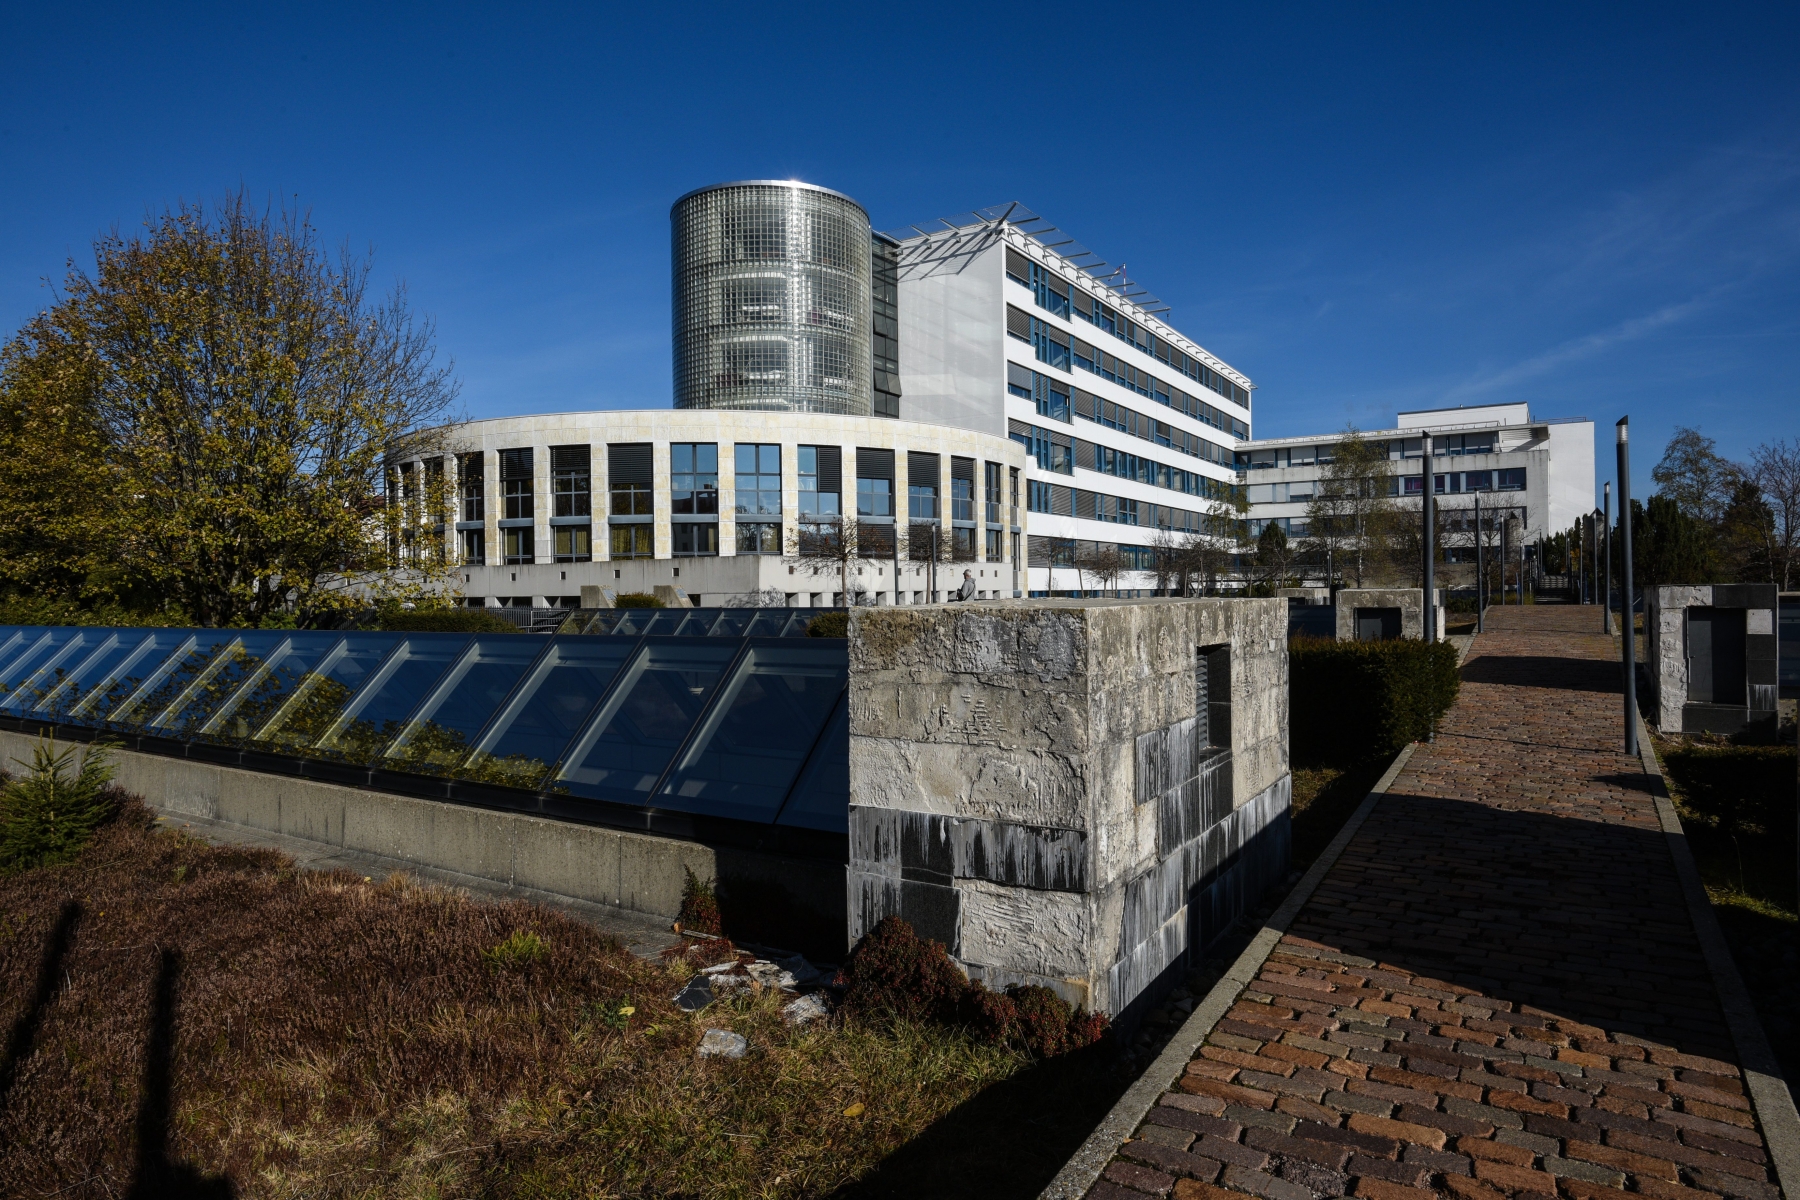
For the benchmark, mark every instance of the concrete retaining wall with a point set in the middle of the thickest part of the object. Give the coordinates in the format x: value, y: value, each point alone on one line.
x: 627, y: 870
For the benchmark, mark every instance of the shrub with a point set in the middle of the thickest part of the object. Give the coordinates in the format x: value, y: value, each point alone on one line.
x: 831, y: 624
x: 1744, y: 790
x: 521, y: 949
x: 48, y: 815
x: 894, y: 973
x: 637, y: 600
x: 443, y: 619
x: 699, y: 905
x: 1348, y: 701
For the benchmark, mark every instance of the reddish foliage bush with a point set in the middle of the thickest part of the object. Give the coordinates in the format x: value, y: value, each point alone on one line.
x: 893, y: 972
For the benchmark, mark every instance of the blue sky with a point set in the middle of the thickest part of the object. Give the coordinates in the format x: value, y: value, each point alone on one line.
x: 1365, y: 208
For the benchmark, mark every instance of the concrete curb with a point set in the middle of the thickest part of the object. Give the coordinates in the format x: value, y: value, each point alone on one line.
x: 1769, y: 1093
x: 1085, y: 1165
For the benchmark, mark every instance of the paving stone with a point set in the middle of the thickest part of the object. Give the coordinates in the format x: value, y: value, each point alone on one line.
x: 1321, y: 1181
x: 1172, y: 1161
x: 1258, y: 1183
x: 1133, y: 1175
x: 1502, y: 953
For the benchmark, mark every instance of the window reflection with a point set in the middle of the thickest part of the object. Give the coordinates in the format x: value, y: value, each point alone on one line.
x: 439, y: 735
x: 628, y: 746
x: 759, y: 733
x: 527, y: 739
x: 296, y: 720
x: 374, y: 716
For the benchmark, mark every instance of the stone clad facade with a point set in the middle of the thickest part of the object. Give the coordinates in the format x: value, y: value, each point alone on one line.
x: 1068, y: 793
x: 1711, y: 656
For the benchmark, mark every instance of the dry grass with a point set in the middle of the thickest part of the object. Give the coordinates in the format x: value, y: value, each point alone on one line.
x: 1737, y: 807
x: 324, y: 1035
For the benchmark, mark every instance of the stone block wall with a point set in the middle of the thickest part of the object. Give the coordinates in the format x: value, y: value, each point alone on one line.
x: 1666, y: 656
x: 1047, y: 788
x: 1410, y: 602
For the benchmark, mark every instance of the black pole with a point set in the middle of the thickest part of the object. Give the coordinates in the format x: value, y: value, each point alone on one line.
x: 1480, y: 567
x: 1428, y: 508
x: 1630, y: 623
x: 894, y: 548
x: 1503, y: 558
x: 1606, y: 549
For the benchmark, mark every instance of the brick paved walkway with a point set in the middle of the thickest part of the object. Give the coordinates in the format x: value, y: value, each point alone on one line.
x: 1495, y: 991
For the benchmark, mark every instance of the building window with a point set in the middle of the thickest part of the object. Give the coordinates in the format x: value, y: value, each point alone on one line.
x: 921, y: 501
x: 1512, y: 479
x: 758, y: 537
x: 1052, y: 293
x: 962, y: 499
x: 517, y: 546
x: 758, y: 481
x: 1038, y: 496
x: 472, y: 482
x: 820, y: 469
x: 1052, y: 451
x: 1050, y: 343
x: 874, y: 497
x: 515, y: 484
x: 572, y: 543
x: 991, y: 491
x: 632, y: 541
x: 695, y: 537
x: 474, y: 547
x: 629, y: 477
x: 962, y: 545
x: 993, y: 545
x: 694, y: 478
x: 570, y: 481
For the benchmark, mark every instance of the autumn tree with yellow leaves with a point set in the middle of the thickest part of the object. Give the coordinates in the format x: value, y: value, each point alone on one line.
x: 208, y: 423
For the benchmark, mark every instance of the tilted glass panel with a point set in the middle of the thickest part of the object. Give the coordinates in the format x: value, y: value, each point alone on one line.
x: 625, y: 749
x: 441, y: 732
x: 110, y: 685
x: 95, y: 662
x: 635, y: 620
x: 267, y: 688
x: 238, y: 659
x: 308, y: 708
x: 767, y: 623
x: 375, y: 715
x: 605, y: 621
x: 169, y: 681
x: 821, y: 800
x: 732, y: 621
x: 18, y: 640
x: 33, y: 656
x: 665, y: 622
x: 527, y: 739
x: 43, y: 672
x: 757, y: 737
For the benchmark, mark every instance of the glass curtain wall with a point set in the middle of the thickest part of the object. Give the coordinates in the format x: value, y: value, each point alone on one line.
x: 722, y: 713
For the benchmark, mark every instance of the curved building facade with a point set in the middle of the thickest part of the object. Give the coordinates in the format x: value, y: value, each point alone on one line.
x: 772, y: 299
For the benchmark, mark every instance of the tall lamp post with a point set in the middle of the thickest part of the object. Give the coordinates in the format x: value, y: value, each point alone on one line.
x: 1429, y: 508
x: 1606, y: 549
x: 1630, y: 638
x: 1480, y: 567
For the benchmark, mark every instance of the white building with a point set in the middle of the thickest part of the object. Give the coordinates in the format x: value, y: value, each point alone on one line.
x: 1540, y: 471
x: 987, y: 389
x: 1009, y: 327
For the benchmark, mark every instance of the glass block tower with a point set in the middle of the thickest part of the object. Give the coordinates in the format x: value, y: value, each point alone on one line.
x: 772, y: 299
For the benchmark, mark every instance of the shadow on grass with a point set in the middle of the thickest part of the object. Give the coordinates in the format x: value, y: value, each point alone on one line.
x: 1009, y: 1141
x: 157, y: 1178
x: 1324, y: 798
x: 50, y: 976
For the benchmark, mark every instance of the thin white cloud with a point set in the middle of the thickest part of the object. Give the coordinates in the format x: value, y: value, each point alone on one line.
x: 1576, y: 349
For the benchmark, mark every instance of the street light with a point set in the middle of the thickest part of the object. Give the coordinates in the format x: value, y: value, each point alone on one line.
x: 1606, y: 549
x: 1630, y: 638
x: 1480, y: 567
x: 1429, y: 508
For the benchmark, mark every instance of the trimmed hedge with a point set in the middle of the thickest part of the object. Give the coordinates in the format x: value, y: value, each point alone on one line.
x: 831, y: 624
x: 637, y: 600
x: 1351, y: 701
